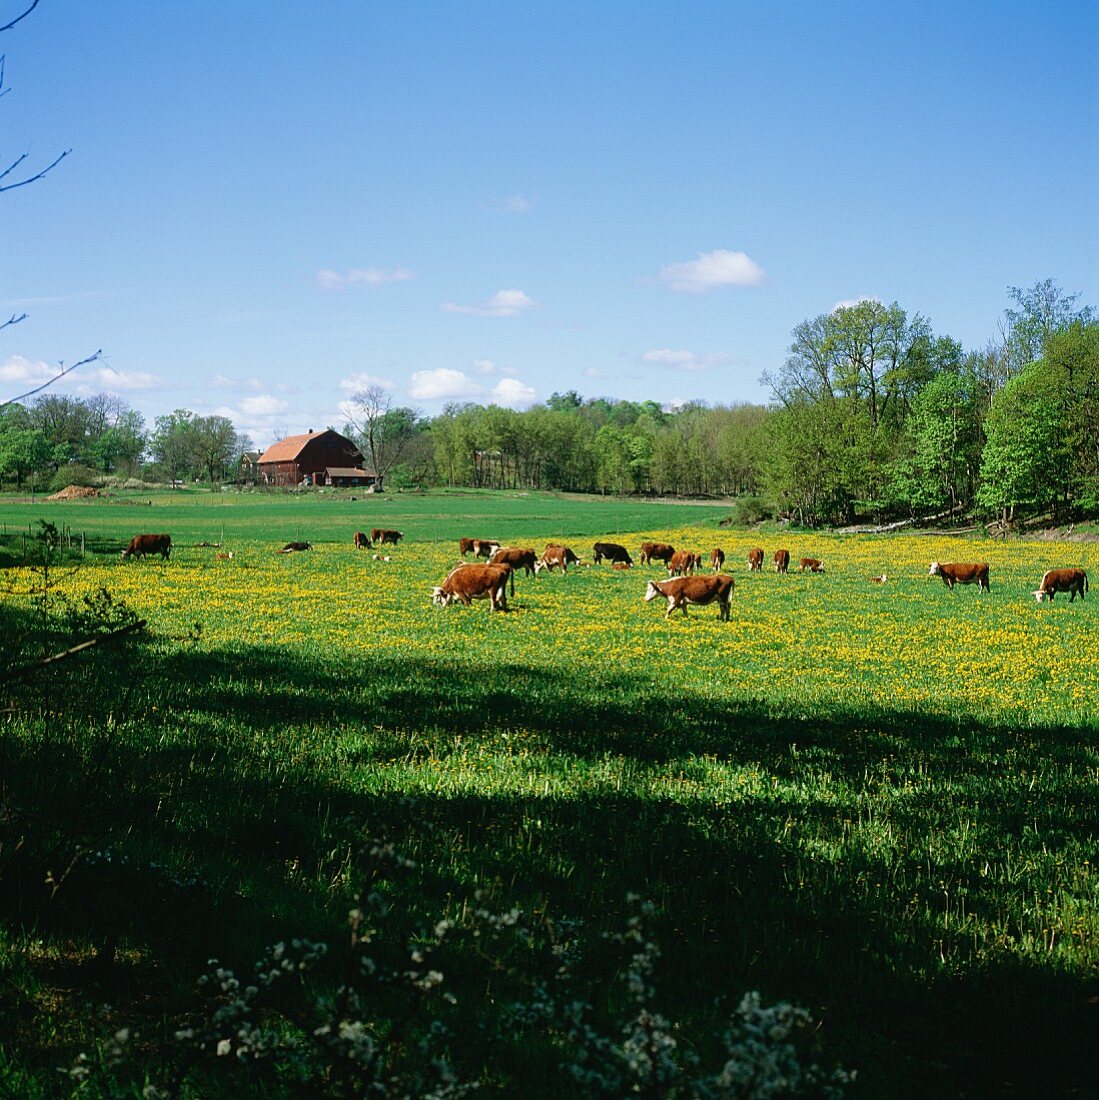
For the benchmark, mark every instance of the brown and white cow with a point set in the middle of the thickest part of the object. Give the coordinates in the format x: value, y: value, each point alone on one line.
x: 474, y: 581
x: 474, y: 547
x: 953, y: 573
x: 142, y: 545
x: 516, y: 558
x: 362, y: 542
x: 811, y: 565
x: 680, y: 591
x: 717, y: 558
x: 755, y: 560
x: 656, y: 551
x: 681, y: 563
x: 612, y: 552
x: 556, y: 556
x: 782, y: 561
x: 383, y: 535
x: 1062, y: 580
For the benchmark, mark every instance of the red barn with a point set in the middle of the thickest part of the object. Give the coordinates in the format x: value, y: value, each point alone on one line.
x: 297, y: 457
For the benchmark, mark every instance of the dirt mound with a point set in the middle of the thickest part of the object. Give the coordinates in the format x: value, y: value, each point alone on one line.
x: 74, y: 492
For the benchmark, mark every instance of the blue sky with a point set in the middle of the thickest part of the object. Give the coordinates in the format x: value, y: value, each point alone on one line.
x: 270, y: 204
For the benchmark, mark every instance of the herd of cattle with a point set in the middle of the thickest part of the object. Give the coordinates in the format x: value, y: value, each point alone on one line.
x: 686, y: 584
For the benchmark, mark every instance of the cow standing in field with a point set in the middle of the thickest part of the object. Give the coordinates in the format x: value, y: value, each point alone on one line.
x: 474, y: 581
x: 656, y: 551
x: 1062, y: 580
x: 811, y: 565
x: 362, y: 542
x: 680, y: 591
x: 755, y: 560
x: 473, y: 546
x: 681, y: 563
x: 516, y: 559
x: 381, y: 535
x: 954, y: 573
x: 554, y: 556
x: 782, y: 561
x: 143, y: 545
x: 612, y: 552
x: 717, y: 558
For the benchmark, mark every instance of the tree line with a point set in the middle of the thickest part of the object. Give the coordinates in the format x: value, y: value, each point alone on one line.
x: 872, y: 414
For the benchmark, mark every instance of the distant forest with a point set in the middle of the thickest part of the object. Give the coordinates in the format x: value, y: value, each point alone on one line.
x: 872, y: 415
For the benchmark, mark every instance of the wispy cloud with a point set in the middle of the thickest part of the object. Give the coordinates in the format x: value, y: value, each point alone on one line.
x: 369, y: 276
x: 685, y: 360
x: 363, y: 381
x: 88, y: 379
x: 433, y: 385
x: 263, y: 405
x: 224, y: 382
x: 712, y: 270
x: 847, y: 303
x: 487, y: 366
x: 504, y: 303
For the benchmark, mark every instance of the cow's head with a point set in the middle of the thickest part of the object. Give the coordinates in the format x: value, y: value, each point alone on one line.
x: 652, y: 592
x: 935, y: 570
x: 439, y: 598
x: 1041, y: 594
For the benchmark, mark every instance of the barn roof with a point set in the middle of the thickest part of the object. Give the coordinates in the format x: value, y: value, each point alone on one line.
x: 288, y: 449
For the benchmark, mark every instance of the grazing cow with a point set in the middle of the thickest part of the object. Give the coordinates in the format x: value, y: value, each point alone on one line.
x: 682, y: 562
x: 879, y: 579
x: 556, y: 555
x: 474, y: 581
x: 1062, y: 580
x: 811, y: 565
x: 954, y: 573
x: 717, y: 558
x: 291, y: 547
x: 755, y: 561
x: 362, y: 542
x: 782, y: 561
x: 680, y: 591
x: 381, y: 535
x: 142, y: 545
x: 656, y: 551
x: 612, y: 552
x: 227, y: 556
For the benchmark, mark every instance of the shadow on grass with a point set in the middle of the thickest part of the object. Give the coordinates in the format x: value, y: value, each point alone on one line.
x: 229, y: 790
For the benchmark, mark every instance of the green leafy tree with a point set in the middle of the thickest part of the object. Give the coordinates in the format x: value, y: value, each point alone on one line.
x: 1036, y: 315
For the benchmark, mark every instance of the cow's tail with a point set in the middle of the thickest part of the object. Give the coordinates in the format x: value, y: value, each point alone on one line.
x: 512, y: 577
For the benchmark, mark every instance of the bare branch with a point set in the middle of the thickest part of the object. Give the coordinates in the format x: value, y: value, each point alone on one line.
x: 29, y: 179
x: 13, y: 320
x: 9, y: 26
x: 60, y: 374
x: 23, y: 670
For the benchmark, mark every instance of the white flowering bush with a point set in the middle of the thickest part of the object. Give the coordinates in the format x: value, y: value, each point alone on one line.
x: 377, y: 1016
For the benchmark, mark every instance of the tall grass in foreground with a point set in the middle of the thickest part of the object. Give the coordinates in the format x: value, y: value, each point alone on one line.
x: 875, y: 801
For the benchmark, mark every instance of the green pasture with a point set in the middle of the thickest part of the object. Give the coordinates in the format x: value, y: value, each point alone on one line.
x: 878, y: 801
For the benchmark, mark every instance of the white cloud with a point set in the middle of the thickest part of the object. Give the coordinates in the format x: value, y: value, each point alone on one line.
x: 712, y: 270
x: 20, y: 370
x: 224, y: 382
x: 363, y: 381
x: 487, y: 366
x: 513, y: 393
x: 263, y: 405
x: 371, y: 276
x: 88, y: 379
x: 685, y: 360
x: 847, y: 303
x: 504, y: 303
x: 430, y: 385
x: 517, y: 204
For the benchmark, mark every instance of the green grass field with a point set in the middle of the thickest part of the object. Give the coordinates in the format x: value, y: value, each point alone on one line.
x: 876, y: 801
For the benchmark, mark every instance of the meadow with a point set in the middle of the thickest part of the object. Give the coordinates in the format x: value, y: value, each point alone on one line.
x: 874, y: 800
